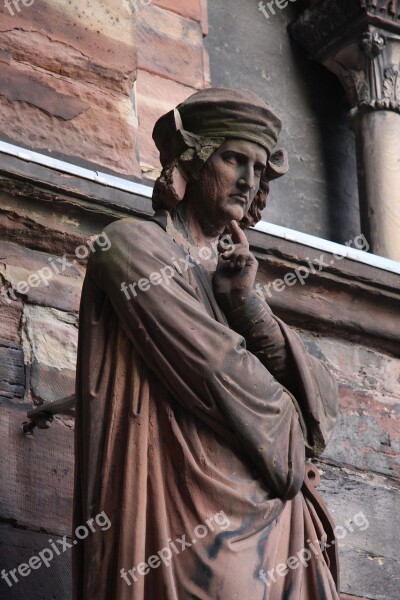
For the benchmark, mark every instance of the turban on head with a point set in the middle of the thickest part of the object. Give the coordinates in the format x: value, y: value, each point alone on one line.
x: 231, y: 114
x: 188, y: 135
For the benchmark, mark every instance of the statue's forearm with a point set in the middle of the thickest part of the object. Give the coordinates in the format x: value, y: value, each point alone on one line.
x: 255, y: 322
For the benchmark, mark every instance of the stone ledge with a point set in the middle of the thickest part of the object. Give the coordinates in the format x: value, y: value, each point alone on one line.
x: 348, y: 298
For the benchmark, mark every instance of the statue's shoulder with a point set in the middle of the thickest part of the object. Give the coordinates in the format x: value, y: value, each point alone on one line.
x: 131, y: 242
x: 137, y: 232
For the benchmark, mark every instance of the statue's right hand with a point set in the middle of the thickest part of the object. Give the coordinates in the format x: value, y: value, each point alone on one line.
x: 236, y: 271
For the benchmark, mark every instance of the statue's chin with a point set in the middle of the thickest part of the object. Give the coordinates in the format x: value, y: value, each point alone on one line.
x: 236, y: 213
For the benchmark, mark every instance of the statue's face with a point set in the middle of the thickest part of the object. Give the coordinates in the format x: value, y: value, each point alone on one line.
x: 228, y: 182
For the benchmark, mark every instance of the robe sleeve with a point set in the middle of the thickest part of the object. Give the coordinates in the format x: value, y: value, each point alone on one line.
x: 282, y: 351
x: 255, y: 322
x: 203, y: 364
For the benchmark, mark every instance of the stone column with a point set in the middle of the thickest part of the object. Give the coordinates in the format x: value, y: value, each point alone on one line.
x: 359, y: 41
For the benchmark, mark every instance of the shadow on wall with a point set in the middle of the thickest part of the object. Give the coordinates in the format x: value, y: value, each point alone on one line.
x: 319, y: 195
x: 329, y: 103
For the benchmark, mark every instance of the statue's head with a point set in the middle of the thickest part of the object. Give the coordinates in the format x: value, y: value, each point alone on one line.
x: 202, y: 133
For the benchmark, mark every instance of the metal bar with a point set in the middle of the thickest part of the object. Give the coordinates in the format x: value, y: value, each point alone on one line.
x: 65, y: 167
x: 327, y: 246
x: 58, y: 406
x: 42, y: 416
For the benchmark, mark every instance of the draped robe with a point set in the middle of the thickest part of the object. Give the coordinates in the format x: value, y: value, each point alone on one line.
x: 178, y: 420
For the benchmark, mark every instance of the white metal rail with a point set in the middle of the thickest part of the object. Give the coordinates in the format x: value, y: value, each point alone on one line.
x: 146, y: 191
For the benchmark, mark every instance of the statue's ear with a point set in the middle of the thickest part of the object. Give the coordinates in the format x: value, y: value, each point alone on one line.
x: 278, y: 164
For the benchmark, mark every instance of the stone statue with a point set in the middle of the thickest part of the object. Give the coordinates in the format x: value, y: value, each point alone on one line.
x: 196, y: 406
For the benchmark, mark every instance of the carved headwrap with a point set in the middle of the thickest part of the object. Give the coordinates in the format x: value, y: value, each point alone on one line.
x: 188, y: 135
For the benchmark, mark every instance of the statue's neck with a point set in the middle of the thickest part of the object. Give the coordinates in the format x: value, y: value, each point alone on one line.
x: 179, y: 229
x: 200, y: 234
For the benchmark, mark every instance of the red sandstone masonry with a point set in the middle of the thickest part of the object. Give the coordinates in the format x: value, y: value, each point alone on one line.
x: 192, y: 9
x: 38, y: 471
x: 150, y: 108
x: 66, y: 77
x: 170, y: 46
x: 186, y: 8
x: 368, y: 431
x: 173, y: 61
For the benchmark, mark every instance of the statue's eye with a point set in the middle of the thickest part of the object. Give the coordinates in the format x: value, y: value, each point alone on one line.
x: 231, y: 159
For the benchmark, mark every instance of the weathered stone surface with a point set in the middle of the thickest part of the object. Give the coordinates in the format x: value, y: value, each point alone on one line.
x: 18, y: 546
x: 34, y: 217
x: 170, y: 46
x: 12, y: 372
x: 10, y: 313
x: 111, y: 122
x: 59, y: 291
x: 361, y: 367
x: 29, y: 275
x: 36, y: 472
x: 367, y: 435
x: 186, y: 8
x: 151, y: 106
x: 88, y: 204
x: 93, y: 37
x: 72, y: 69
x: 18, y: 85
x: 366, y: 508
x: 341, y: 296
x: 50, y: 339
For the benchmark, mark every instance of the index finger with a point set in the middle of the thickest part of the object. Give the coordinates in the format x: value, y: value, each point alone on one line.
x: 238, y: 234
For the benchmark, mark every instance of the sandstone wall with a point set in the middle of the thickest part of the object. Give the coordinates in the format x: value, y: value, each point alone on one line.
x: 76, y: 78
x: 67, y: 80
x: 173, y: 64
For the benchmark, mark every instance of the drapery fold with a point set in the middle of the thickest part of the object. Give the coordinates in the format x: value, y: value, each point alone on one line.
x: 177, y: 420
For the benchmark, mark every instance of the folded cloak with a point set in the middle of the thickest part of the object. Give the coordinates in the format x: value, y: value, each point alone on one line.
x: 182, y: 433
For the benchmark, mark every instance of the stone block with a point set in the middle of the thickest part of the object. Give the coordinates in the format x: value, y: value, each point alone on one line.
x: 186, y: 8
x: 367, y: 434
x: 50, y: 342
x: 70, y: 118
x: 12, y: 371
x: 170, y: 46
x: 151, y: 106
x: 72, y: 69
x: 22, y: 276
x: 36, y: 472
x: 54, y: 582
x: 10, y: 314
x: 75, y: 37
x: 365, y: 509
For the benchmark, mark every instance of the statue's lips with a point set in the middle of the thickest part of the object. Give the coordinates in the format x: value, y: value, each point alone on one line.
x: 239, y: 198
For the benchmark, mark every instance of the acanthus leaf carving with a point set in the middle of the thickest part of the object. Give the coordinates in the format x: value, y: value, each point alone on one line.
x: 391, y: 83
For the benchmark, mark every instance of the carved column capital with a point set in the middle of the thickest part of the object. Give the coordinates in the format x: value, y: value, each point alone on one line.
x: 359, y: 40
x: 369, y: 70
